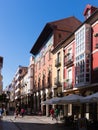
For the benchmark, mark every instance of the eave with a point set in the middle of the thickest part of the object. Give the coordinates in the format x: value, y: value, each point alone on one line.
x: 41, y: 39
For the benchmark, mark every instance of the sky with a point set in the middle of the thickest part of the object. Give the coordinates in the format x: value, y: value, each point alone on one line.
x: 21, y: 22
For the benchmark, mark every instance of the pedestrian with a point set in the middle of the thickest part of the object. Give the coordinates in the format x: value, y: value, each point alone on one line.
x: 16, y: 112
x: 22, y: 112
x: 4, y: 113
x: 56, y: 112
x: 52, y: 113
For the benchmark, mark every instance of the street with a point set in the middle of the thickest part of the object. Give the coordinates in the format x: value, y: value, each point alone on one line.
x: 30, y: 123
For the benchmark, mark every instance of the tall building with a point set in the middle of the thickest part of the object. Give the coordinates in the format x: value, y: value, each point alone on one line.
x: 80, y: 63
x: 17, y: 85
x: 1, y: 77
x: 50, y: 37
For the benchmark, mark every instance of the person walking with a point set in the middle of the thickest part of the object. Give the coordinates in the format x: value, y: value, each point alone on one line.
x: 56, y: 114
x: 16, y: 112
x: 52, y: 113
x: 4, y: 113
x: 22, y: 112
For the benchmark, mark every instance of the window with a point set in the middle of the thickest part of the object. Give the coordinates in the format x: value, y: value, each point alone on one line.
x: 96, y: 39
x: 58, y: 56
x: 80, y: 71
x: 69, y: 75
x: 80, y: 40
x: 31, y: 72
x: 69, y: 53
x: 49, y: 54
x: 59, y: 35
x: 58, y: 75
x: 43, y: 60
x: 96, y: 46
x: 39, y: 64
x: 36, y: 67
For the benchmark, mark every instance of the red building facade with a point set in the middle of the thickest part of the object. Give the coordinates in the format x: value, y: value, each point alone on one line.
x: 80, y: 60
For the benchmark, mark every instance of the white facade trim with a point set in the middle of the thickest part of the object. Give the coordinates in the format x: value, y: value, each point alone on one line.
x: 95, y: 51
x: 95, y: 23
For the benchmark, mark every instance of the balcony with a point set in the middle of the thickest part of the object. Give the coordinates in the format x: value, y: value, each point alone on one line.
x: 57, y: 82
x: 57, y: 62
x: 68, y: 60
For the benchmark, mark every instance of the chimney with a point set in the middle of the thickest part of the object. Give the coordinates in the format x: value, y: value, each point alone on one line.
x: 89, y: 10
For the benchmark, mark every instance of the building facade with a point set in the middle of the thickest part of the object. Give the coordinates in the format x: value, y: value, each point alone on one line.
x: 1, y: 77
x: 44, y: 87
x: 80, y: 63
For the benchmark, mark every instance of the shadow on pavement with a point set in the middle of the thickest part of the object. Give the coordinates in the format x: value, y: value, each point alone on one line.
x: 40, y: 126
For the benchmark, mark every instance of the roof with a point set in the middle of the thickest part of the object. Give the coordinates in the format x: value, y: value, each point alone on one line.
x: 86, y: 21
x: 65, y: 25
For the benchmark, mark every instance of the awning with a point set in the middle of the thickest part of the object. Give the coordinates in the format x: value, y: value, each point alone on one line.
x: 72, y: 98
x: 91, y: 98
x: 51, y: 101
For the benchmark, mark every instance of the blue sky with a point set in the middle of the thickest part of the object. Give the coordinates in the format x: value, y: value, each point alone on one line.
x: 21, y: 22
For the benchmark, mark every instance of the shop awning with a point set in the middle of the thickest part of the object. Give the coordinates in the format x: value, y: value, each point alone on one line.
x: 51, y: 101
x: 90, y: 98
x: 72, y: 98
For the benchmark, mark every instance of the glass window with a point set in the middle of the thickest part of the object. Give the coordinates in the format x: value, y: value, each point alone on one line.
x: 69, y: 75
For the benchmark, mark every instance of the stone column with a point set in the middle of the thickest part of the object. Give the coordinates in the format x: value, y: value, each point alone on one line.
x: 87, y: 111
x: 69, y: 109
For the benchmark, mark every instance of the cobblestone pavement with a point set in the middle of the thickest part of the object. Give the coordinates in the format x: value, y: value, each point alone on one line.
x: 31, y: 123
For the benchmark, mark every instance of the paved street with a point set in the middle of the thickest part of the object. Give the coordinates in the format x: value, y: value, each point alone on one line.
x: 30, y: 123
x: 7, y: 125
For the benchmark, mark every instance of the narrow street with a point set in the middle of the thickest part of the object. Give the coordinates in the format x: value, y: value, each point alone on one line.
x: 30, y: 123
